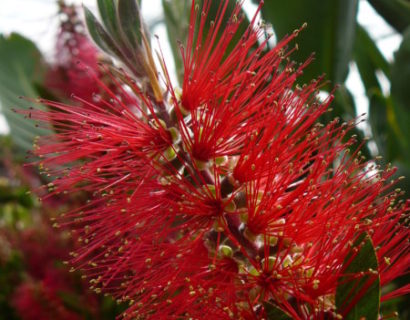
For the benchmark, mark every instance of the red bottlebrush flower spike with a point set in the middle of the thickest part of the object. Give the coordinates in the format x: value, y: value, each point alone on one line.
x: 226, y: 198
x: 74, y: 51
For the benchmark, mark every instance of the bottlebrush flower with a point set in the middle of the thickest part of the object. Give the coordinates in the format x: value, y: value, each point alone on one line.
x: 228, y: 198
x: 74, y: 51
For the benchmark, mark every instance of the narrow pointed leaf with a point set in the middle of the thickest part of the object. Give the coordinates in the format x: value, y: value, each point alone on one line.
x: 129, y: 18
x: 401, y: 72
x: 358, y: 296
x: 369, y: 60
x: 108, y: 14
x: 382, y: 117
x: 384, y: 126
x: 401, y: 94
x: 99, y: 35
x: 395, y: 12
x: 330, y: 33
x: 363, y: 38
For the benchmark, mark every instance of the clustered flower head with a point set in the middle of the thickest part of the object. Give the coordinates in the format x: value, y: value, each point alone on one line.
x: 226, y: 198
x: 66, y: 76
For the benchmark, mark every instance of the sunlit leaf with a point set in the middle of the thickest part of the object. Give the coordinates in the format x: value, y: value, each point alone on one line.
x: 21, y: 67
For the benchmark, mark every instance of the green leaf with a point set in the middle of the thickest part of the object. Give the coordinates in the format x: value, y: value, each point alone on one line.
x: 108, y: 15
x: 369, y: 60
x: 274, y: 313
x: 21, y: 67
x: 344, y: 103
x: 99, y: 35
x: 130, y: 23
x: 384, y: 126
x: 176, y: 15
x: 363, y: 39
x: 395, y: 12
x: 123, y: 41
x: 401, y: 72
x: 330, y: 33
x: 391, y: 306
x: 378, y: 121
x: 388, y: 116
x: 400, y: 94
x: 358, y: 296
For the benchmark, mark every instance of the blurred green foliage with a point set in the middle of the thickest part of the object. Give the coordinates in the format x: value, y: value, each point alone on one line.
x: 21, y: 67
